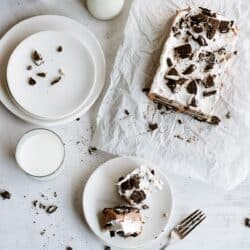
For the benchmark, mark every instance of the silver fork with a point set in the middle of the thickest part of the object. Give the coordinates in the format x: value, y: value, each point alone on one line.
x: 186, y: 226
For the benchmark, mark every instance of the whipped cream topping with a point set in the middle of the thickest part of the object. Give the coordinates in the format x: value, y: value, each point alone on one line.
x: 212, y: 43
x: 138, y: 185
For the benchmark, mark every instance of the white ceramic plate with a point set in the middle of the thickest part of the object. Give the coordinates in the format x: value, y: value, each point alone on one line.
x: 43, y: 23
x: 100, y: 192
x: 44, y: 100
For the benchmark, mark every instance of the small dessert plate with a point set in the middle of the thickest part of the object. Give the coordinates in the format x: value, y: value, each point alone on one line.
x: 67, y: 74
x: 101, y: 192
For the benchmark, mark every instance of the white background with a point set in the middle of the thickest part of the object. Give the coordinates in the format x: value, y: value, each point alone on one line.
x: 20, y: 225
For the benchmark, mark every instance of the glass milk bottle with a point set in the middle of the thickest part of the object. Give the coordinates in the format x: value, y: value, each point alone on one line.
x: 105, y: 9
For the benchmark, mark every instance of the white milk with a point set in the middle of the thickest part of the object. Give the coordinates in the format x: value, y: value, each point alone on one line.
x: 40, y: 152
x: 105, y: 9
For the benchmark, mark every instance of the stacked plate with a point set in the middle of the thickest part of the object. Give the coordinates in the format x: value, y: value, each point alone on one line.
x: 62, y: 84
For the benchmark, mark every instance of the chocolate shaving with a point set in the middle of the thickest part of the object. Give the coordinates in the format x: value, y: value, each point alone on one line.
x: 191, y: 68
x: 51, y: 209
x: 41, y: 74
x: 183, y: 51
x: 31, y: 81
x: 192, y: 87
x: 56, y: 80
x: 37, y: 58
x: 169, y: 62
x: 213, y: 25
x: 209, y: 93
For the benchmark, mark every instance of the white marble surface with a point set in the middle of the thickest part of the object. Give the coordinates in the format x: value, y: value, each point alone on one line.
x: 20, y: 225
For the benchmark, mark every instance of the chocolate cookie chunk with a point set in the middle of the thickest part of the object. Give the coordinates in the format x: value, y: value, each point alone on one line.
x: 183, y: 51
x: 138, y: 196
x: 192, y: 87
x: 213, y: 25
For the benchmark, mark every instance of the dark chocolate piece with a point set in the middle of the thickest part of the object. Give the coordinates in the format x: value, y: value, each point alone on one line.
x: 201, y: 41
x: 193, y: 102
x: 169, y: 62
x: 5, y: 195
x: 207, y: 12
x: 199, y: 18
x: 172, y: 85
x: 138, y: 196
x: 41, y: 74
x: 209, y: 93
x: 197, y: 29
x: 213, y: 25
x: 56, y: 80
x: 191, y: 68
x: 224, y: 26
x: 31, y: 81
x: 51, y: 209
x: 183, y: 51
x: 37, y: 58
x: 192, y: 87
x: 173, y: 72
x: 209, y: 82
x: 112, y: 234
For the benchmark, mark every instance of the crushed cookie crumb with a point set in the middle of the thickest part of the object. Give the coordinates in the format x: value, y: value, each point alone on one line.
x: 228, y: 115
x: 152, y: 126
x: 59, y: 49
x: 126, y: 112
x: 5, y: 195
x: 179, y: 121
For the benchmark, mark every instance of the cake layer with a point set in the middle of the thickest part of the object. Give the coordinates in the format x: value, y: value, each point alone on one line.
x: 124, y: 220
x: 193, y: 61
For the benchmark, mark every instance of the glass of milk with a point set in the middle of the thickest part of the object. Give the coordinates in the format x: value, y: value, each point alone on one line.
x: 40, y: 153
x: 105, y: 9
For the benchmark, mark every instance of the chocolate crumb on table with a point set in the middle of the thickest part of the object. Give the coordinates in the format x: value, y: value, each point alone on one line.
x: 69, y: 248
x: 59, y: 49
x: 107, y: 248
x: 91, y: 150
x: 145, y: 206
x: 179, y: 121
x: 5, y: 195
x: 29, y: 67
x: 152, y: 126
x: 56, y: 80
x: 228, y: 115
x: 41, y: 74
x: 37, y: 58
x: 77, y: 119
x: 126, y: 112
x: 51, y: 209
x: 247, y: 222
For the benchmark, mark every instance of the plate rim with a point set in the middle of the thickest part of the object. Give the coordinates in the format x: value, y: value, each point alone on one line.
x: 137, y: 159
x: 46, y: 20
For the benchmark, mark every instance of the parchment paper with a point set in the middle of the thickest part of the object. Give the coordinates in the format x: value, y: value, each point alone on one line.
x: 218, y: 155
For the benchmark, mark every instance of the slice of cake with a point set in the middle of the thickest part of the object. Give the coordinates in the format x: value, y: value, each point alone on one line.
x: 138, y: 185
x: 124, y: 221
x: 193, y: 61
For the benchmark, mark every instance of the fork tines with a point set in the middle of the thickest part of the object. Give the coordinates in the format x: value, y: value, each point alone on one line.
x: 189, y: 223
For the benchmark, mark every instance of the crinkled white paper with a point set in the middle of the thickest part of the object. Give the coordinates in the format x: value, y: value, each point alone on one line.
x: 216, y: 154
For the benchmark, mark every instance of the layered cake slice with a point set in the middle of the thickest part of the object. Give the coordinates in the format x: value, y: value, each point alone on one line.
x: 124, y: 221
x: 138, y: 185
x: 193, y: 61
